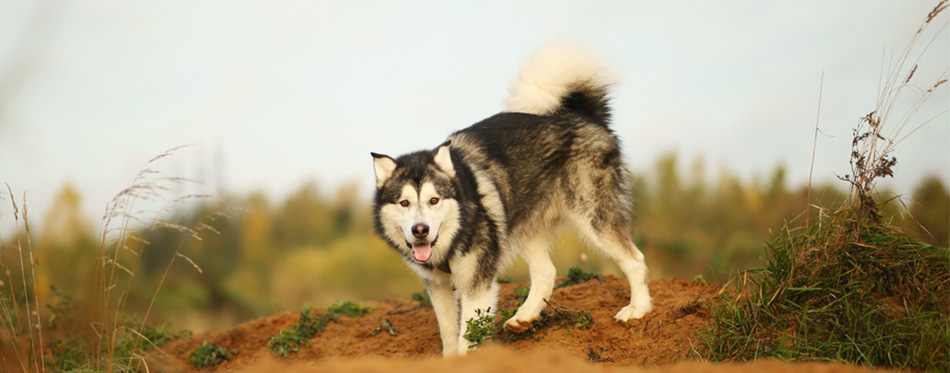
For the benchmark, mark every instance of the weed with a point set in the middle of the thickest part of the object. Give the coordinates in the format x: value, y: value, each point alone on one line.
x: 481, y: 328
x: 384, y: 324
x: 208, y: 355
x: 66, y: 355
x: 289, y: 340
x: 505, y: 280
x: 576, y: 276
x: 422, y: 297
x: 350, y: 309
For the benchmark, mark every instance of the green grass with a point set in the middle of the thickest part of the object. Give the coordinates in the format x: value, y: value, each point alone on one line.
x: 208, y: 355
x: 349, y: 309
x: 290, y: 340
x: 422, y: 297
x: 842, y: 290
x: 486, y: 327
x: 852, y: 285
x: 576, y: 276
x: 482, y: 328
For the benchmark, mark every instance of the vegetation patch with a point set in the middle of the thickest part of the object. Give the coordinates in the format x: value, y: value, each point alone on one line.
x: 850, y: 285
x: 349, y: 309
x: 289, y: 340
x: 208, y: 355
x: 576, y: 276
x: 422, y: 297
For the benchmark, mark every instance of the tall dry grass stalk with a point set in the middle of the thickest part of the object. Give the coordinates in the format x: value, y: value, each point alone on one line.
x: 124, y: 233
x: 123, y: 237
x: 12, y: 309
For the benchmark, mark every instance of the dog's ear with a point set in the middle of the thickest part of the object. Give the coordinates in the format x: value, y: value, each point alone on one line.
x: 443, y: 159
x: 384, y: 166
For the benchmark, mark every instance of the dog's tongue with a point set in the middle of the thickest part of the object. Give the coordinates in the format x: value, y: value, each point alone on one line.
x: 422, y: 251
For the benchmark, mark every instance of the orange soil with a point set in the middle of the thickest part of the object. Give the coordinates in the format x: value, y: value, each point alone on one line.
x: 661, y: 339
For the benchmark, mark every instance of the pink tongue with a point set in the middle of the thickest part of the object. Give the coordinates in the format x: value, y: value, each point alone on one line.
x: 422, y: 251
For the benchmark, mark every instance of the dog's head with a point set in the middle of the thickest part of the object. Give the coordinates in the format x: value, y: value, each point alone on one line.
x: 416, y: 208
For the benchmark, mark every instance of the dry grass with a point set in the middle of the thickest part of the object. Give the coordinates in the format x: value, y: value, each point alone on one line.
x: 109, y: 340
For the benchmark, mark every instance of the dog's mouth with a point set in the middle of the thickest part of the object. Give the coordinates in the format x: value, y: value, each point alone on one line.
x: 421, y: 251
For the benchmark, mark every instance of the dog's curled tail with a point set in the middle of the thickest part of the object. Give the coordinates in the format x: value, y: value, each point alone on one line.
x: 561, y: 77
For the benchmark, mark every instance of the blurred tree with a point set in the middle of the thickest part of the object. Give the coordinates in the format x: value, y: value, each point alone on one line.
x: 66, y: 243
x: 304, y: 219
x: 931, y: 208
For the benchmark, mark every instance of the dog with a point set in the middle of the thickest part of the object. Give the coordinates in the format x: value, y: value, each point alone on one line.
x: 460, y: 213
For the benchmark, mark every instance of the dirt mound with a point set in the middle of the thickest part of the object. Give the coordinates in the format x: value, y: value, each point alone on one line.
x: 664, y: 336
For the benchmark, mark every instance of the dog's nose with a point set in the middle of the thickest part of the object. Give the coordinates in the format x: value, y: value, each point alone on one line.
x: 420, y: 230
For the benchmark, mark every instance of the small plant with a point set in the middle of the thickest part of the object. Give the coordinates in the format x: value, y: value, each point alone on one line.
x: 481, y: 328
x: 290, y: 339
x: 576, y: 276
x: 384, y: 324
x: 208, y: 355
x: 349, y: 309
x: 522, y: 293
x: 65, y: 355
x: 422, y: 297
x: 505, y: 280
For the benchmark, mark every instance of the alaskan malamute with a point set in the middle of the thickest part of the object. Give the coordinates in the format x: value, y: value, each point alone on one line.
x: 461, y: 212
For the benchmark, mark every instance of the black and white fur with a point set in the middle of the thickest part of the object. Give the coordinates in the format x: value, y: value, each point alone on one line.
x: 498, y: 189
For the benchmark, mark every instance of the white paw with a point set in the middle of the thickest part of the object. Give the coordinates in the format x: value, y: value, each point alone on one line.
x: 450, y: 351
x: 633, y: 312
x: 518, y: 326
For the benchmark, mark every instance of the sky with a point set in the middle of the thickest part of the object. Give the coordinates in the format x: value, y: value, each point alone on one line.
x: 270, y: 95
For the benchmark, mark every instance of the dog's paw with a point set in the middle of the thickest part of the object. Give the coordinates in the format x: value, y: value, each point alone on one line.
x: 518, y: 326
x: 633, y: 312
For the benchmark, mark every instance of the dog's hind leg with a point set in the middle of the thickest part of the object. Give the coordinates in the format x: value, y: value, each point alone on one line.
x: 613, y: 239
x: 542, y: 273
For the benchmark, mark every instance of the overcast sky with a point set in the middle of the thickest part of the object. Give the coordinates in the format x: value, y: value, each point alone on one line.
x: 274, y: 94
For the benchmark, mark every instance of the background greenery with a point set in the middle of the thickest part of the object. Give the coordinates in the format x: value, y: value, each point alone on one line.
x: 317, y: 246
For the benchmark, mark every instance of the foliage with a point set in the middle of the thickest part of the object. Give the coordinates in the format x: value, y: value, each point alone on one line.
x: 422, y: 297
x: 349, y: 308
x: 208, y: 355
x: 384, y: 324
x: 481, y: 328
x: 289, y: 340
x: 850, y: 285
x: 842, y: 289
x: 576, y: 276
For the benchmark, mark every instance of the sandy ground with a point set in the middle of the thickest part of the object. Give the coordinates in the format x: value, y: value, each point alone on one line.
x: 664, y: 340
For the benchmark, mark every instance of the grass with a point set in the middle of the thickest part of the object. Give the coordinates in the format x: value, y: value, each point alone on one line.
x: 849, y: 285
x: 576, y: 276
x: 208, y: 355
x: 486, y: 327
x: 289, y: 340
x: 103, y: 337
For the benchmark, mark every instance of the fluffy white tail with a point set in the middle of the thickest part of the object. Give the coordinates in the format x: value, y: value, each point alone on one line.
x: 559, y: 76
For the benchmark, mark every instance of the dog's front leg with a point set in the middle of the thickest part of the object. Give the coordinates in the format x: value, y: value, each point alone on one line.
x: 446, y: 312
x: 476, y: 303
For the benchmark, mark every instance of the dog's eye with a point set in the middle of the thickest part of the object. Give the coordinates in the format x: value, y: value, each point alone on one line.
x: 434, y: 200
x: 404, y: 203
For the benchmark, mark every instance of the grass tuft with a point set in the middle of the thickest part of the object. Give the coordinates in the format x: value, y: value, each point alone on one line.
x: 576, y: 276
x: 850, y: 285
x: 208, y: 355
